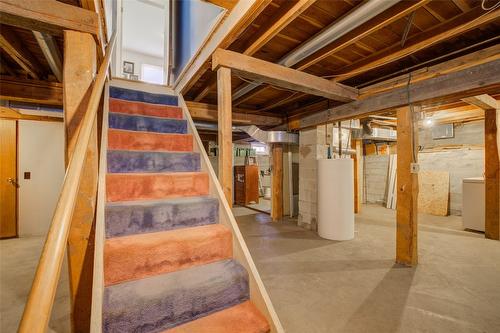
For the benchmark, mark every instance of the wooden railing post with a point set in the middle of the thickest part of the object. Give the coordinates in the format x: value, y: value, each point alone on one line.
x: 225, y: 132
x: 79, y: 72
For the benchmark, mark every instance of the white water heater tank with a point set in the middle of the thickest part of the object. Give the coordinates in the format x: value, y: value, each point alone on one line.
x: 336, y: 198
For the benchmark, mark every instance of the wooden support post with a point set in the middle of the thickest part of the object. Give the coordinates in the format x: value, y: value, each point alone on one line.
x: 407, y: 213
x: 492, y: 173
x: 357, y: 144
x: 277, y: 183
x: 79, y: 71
x: 225, y: 131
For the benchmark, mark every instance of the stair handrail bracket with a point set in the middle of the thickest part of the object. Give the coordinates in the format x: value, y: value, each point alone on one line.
x: 38, y: 308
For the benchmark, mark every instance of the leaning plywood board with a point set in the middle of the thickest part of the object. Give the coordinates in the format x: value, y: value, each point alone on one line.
x: 433, y: 195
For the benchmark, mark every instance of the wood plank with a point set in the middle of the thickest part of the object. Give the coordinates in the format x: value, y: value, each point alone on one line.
x: 14, y: 47
x: 79, y: 71
x: 462, y: 5
x: 492, y: 173
x: 31, y: 91
x: 227, y: 4
x: 10, y: 113
x: 358, y: 145
x: 433, y: 194
x: 225, y: 129
x: 51, y: 52
x: 284, y: 77
x: 208, y: 112
x: 49, y: 16
x: 8, y: 169
x: 277, y: 183
x: 485, y: 102
x: 441, y: 32
x: 407, y: 185
x: 467, y: 82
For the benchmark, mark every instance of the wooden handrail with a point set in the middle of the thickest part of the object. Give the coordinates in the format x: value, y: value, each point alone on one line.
x: 41, y: 297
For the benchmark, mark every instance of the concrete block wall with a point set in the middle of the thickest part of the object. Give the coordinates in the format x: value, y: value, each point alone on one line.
x: 376, y: 173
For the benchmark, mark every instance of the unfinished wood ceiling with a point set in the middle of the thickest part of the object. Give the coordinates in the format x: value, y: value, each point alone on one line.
x: 406, y: 37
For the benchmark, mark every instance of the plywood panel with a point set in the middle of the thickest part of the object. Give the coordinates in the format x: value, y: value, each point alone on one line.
x: 434, y: 192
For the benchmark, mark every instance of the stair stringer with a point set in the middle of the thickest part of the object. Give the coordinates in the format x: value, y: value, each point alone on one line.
x: 258, y: 293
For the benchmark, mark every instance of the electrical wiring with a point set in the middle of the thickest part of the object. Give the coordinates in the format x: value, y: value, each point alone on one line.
x: 495, y: 6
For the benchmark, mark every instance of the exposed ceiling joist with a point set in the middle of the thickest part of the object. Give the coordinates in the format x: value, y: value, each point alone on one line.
x: 453, y: 85
x: 208, y: 112
x: 31, y: 91
x: 485, y: 102
x: 14, y: 47
x: 227, y: 4
x: 51, y: 52
x: 11, y: 113
x: 284, y: 77
x: 49, y: 16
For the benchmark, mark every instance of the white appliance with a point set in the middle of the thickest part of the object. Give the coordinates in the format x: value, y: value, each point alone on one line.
x: 473, y: 203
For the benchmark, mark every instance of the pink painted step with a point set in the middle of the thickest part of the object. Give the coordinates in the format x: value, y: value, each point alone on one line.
x: 144, y: 109
x: 241, y: 318
x: 132, y: 140
x: 150, y: 186
x: 138, y: 256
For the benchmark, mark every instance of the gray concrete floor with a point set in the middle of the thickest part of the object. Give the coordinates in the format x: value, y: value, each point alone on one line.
x: 318, y: 285
x: 18, y: 260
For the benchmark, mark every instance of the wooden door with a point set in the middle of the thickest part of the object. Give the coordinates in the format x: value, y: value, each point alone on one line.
x: 8, y: 178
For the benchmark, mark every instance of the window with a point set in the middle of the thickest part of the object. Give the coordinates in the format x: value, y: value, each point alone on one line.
x: 152, y: 73
x: 260, y: 148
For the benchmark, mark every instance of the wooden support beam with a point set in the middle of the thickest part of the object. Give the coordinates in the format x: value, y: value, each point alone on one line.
x: 227, y: 4
x: 14, y: 47
x: 358, y: 145
x: 11, y: 113
x: 407, y: 187
x: 225, y: 129
x: 277, y: 183
x: 49, y: 16
x: 463, y: 83
x: 31, y: 91
x: 51, y: 52
x: 284, y: 77
x: 79, y: 70
x: 208, y: 112
x: 491, y: 109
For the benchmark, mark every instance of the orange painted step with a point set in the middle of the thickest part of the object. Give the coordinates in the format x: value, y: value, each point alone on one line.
x: 241, y: 318
x: 141, y: 186
x: 138, y: 256
x: 132, y: 140
x: 144, y: 109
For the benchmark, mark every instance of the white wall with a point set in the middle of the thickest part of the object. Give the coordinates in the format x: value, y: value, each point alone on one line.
x: 140, y: 58
x: 41, y: 152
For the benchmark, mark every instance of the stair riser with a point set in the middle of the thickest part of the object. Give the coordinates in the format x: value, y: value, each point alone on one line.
x: 128, y: 187
x: 140, y: 96
x: 126, y: 140
x: 139, y: 256
x: 128, y: 161
x: 144, y: 109
x: 157, y: 303
x: 122, y: 220
x: 147, y: 124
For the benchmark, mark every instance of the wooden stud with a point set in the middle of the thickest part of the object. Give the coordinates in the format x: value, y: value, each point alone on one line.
x: 225, y: 130
x: 406, y: 212
x: 79, y: 71
x: 31, y: 91
x: 357, y: 144
x: 277, y: 183
x: 49, y: 16
x: 281, y: 76
x: 492, y: 173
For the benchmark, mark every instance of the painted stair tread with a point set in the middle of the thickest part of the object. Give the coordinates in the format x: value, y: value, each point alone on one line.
x: 147, y: 124
x: 142, y: 96
x: 160, y: 302
x: 150, y: 186
x: 130, y: 140
x: 241, y: 318
x: 139, y: 256
x: 144, y: 109
x: 135, y: 217
x: 124, y: 161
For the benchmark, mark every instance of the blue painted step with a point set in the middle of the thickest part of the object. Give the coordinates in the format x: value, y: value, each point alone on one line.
x: 141, y: 96
x: 123, y: 161
x: 161, y: 302
x: 137, y: 217
x: 147, y: 124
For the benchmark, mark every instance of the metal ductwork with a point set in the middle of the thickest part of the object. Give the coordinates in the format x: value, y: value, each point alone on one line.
x: 370, y: 133
x: 337, y: 29
x: 269, y: 136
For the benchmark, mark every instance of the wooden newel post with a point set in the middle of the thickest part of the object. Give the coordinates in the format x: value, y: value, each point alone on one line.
x: 407, y: 187
x: 277, y: 182
x: 492, y: 173
x: 225, y: 132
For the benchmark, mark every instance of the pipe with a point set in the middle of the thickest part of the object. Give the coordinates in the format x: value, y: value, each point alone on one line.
x: 334, y: 31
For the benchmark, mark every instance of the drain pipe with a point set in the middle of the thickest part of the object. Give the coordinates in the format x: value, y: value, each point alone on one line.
x: 337, y: 29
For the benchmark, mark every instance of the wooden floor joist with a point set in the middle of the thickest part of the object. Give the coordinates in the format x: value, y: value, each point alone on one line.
x: 31, y: 91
